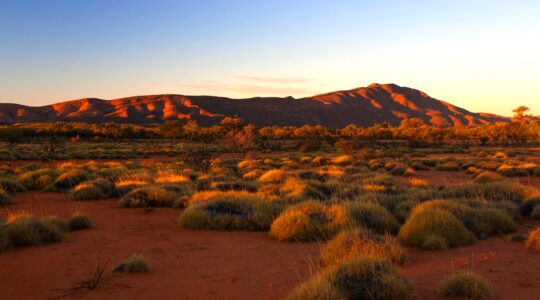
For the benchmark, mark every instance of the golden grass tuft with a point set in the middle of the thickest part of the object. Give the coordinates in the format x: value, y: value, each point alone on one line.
x: 466, y: 285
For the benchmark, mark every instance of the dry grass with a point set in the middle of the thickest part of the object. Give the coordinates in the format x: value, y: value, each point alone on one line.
x: 466, y: 285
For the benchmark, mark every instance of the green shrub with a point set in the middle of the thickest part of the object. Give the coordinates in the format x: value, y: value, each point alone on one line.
x: 10, y: 185
x: 528, y: 204
x: 372, y: 216
x: 487, y: 176
x: 37, y: 180
x: 533, y: 241
x: 30, y: 231
x: 486, y: 222
x: 69, y: 179
x: 240, y: 213
x: 354, y: 243
x: 78, y: 221
x: 431, y: 222
x: 58, y: 222
x: 368, y: 278
x: 466, y: 285
x: 135, y: 264
x: 87, y: 191
x: 434, y: 242
x: 148, y: 196
x: 309, y: 220
x: 5, y: 198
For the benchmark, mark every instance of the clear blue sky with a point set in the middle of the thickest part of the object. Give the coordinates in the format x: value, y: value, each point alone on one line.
x: 481, y: 55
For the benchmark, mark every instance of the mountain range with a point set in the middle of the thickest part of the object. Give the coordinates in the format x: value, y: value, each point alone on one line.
x: 364, y: 106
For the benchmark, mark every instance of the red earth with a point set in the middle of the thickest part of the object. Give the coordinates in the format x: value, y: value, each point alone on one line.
x: 188, y: 264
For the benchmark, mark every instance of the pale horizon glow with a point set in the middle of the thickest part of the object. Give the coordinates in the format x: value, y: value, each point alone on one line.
x: 479, y: 55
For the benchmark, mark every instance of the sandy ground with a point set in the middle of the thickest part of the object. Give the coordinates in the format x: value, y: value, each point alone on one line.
x: 188, y: 264
x: 185, y: 264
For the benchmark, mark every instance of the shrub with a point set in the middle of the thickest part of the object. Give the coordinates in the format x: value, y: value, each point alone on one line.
x: 30, y: 231
x: 486, y: 222
x: 434, y: 242
x: 399, y: 169
x: 368, y: 278
x: 404, y: 208
x: 342, y: 160
x: 487, y: 176
x: 69, y: 179
x: 535, y: 214
x: 10, y: 185
x: 135, y: 264
x: 78, y: 221
x: 512, y: 171
x: 529, y: 204
x: 58, y: 222
x: 234, y: 185
x: 233, y: 213
x: 448, y: 166
x: 5, y: 198
x: 309, y: 220
x: 419, y: 166
x: 87, y: 191
x: 533, y: 241
x: 354, y: 243
x: 36, y: 180
x: 274, y: 175
x: 149, y: 196
x: 467, y: 285
x: 425, y: 224
x: 372, y: 216
x: 417, y: 182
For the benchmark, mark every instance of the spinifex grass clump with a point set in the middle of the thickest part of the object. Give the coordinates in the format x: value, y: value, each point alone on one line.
x: 466, y: 285
x: 10, y: 185
x: 38, y: 179
x: 242, y: 212
x: 369, y: 278
x: 5, y: 198
x: 31, y: 231
x: 92, y: 190
x: 372, y: 216
x: 533, y: 241
x: 135, y: 264
x: 149, y: 196
x: 435, y: 229
x: 354, y: 243
x: 69, y: 179
x: 309, y: 220
x: 78, y: 221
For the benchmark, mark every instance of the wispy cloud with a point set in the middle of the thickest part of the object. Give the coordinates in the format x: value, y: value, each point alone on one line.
x: 275, y: 80
x: 248, y: 89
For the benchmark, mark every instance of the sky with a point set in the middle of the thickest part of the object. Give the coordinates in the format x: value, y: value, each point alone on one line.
x: 481, y: 55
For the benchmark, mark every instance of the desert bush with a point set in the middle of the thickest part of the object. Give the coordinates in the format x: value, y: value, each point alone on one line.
x: 341, y: 160
x: 487, y: 176
x: 69, y: 179
x: 533, y: 241
x: 448, y: 166
x: 238, y: 212
x: 372, y: 216
x: 512, y: 171
x: 527, y: 206
x: 309, y: 220
x: 58, y: 222
x: 354, y: 243
x: 417, y: 182
x: 399, y: 169
x: 5, y: 198
x: 403, y: 209
x: 466, y: 285
x: 87, y: 191
x: 135, y: 264
x: 10, y: 185
x: 274, y: 175
x: 486, y: 222
x: 422, y: 226
x: 148, y: 196
x: 36, y: 180
x: 535, y: 213
x: 31, y: 231
x: 369, y: 278
x: 504, y: 190
x: 419, y: 166
x: 78, y: 221
x: 234, y: 185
